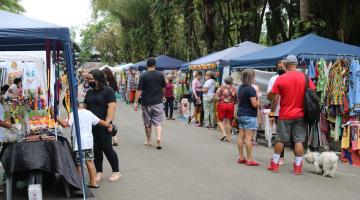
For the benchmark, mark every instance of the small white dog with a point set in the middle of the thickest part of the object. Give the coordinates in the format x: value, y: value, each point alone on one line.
x: 325, y: 163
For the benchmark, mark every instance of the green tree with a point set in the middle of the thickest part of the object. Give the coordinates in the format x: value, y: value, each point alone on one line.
x: 12, y: 6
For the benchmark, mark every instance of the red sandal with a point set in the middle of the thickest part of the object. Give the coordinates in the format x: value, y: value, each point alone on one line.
x: 252, y: 163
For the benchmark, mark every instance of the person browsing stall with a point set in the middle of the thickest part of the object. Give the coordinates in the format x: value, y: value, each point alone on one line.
x: 101, y: 101
x: 86, y: 121
x: 280, y: 70
x: 291, y: 87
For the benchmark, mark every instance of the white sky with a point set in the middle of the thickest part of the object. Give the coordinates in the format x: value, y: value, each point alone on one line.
x: 70, y: 13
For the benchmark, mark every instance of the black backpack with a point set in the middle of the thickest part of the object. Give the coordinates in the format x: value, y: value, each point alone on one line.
x: 312, y: 108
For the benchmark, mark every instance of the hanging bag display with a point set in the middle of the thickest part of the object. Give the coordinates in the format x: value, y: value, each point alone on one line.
x: 312, y: 108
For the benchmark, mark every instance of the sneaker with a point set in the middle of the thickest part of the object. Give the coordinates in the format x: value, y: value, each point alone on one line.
x: 252, y: 163
x: 298, y: 169
x: 241, y: 161
x: 274, y: 167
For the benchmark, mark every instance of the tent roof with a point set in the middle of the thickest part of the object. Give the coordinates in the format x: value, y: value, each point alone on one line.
x: 21, y: 33
x: 163, y: 62
x: 224, y: 56
x: 307, y: 44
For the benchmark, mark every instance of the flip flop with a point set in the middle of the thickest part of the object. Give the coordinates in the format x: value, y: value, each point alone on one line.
x: 147, y: 144
x: 93, y: 186
x: 158, y: 147
x: 223, y: 138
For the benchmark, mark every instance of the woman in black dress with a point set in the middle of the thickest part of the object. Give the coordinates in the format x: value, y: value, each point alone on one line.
x: 101, y: 101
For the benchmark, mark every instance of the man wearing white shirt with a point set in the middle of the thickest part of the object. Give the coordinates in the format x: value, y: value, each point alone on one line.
x: 280, y: 69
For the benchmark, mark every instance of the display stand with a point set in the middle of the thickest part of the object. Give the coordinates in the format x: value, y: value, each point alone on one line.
x: 26, y: 34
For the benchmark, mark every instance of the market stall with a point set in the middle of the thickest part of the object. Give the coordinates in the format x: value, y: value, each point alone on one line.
x: 163, y: 62
x: 334, y: 67
x: 219, y: 62
x: 29, y: 111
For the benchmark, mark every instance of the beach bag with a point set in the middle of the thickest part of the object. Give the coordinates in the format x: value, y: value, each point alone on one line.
x: 312, y: 108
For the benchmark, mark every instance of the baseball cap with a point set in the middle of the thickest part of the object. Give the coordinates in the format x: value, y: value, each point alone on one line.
x: 291, y: 59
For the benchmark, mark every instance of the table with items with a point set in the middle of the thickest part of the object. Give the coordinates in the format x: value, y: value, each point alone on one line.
x: 34, y: 144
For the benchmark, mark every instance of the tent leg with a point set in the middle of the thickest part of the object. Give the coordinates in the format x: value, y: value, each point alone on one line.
x: 73, y: 100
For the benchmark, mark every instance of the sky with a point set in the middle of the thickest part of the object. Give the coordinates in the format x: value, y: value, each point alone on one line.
x: 70, y: 13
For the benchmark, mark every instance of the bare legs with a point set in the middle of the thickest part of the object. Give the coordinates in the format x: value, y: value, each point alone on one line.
x: 228, y: 129
x: 92, y: 172
x: 225, y: 128
x: 245, y: 137
x: 148, y: 135
x: 222, y: 127
x: 159, y: 135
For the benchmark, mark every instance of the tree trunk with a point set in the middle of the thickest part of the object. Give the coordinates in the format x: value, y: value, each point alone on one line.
x: 190, y: 32
x: 304, y: 10
x: 209, y: 15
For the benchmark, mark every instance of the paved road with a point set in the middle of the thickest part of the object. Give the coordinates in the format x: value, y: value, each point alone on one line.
x: 195, y: 165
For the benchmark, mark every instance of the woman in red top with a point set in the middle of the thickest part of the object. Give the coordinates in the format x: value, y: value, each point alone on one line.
x: 226, y: 96
x: 169, y: 97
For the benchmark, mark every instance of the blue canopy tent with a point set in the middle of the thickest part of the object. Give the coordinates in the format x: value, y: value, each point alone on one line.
x: 306, y: 47
x: 20, y: 33
x: 163, y: 62
x: 223, y: 57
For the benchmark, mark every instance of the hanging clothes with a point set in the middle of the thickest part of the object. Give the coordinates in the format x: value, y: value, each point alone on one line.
x: 345, y: 140
x: 355, y: 137
x: 321, y: 78
x: 337, y: 83
x: 311, y: 72
x: 335, y: 131
x: 354, y: 87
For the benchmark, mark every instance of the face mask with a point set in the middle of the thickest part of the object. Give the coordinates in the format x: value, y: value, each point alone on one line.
x: 92, y: 85
x: 86, y: 85
x: 280, y: 71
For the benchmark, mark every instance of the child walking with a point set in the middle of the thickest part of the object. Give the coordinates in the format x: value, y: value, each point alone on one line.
x: 86, y: 120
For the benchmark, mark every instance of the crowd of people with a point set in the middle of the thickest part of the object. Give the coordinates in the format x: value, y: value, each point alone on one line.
x: 236, y: 108
x: 239, y: 108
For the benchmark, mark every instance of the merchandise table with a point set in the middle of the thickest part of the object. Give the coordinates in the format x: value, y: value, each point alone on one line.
x: 33, y: 157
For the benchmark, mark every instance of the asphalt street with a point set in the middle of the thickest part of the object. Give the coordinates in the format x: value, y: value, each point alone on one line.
x: 195, y: 165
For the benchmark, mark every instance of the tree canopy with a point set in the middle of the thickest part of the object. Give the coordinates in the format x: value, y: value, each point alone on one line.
x: 11, y: 6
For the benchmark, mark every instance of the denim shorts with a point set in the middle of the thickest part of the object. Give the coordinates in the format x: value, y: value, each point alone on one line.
x: 246, y: 122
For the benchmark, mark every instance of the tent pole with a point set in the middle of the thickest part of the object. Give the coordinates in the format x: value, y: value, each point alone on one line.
x: 55, y: 83
x: 73, y: 100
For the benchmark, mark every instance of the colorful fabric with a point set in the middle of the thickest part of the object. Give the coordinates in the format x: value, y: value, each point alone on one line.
x: 345, y: 140
x: 311, y: 72
x: 337, y: 84
x: 321, y: 78
x: 354, y: 87
x: 226, y: 94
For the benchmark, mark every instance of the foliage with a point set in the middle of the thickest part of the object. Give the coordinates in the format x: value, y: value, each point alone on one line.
x: 188, y: 29
x: 11, y: 6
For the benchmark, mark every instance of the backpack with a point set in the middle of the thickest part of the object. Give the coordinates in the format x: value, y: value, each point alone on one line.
x: 312, y: 108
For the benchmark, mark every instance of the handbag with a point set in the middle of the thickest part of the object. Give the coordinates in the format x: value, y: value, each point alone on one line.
x: 234, y: 123
x: 114, y: 131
